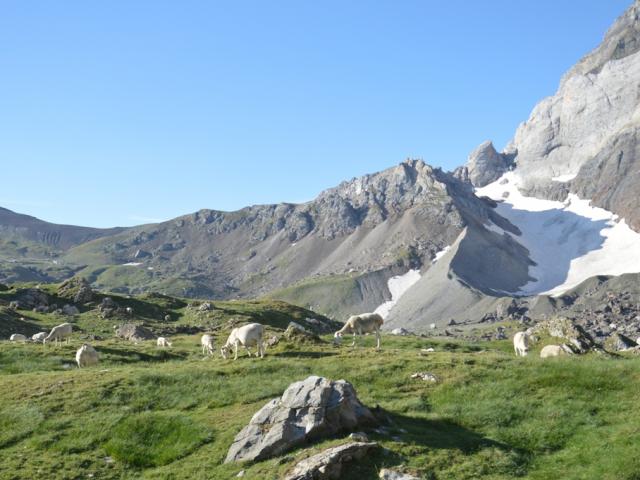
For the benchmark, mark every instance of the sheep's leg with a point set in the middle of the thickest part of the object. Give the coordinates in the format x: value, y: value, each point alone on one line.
x: 236, y: 350
x: 261, y: 349
x: 378, y: 339
x: 354, y: 340
x: 248, y: 351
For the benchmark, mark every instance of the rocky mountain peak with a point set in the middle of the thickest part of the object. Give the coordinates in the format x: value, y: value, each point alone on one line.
x: 484, y: 165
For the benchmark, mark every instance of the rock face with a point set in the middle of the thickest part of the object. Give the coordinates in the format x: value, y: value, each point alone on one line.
x: 586, y: 133
x: 328, y: 464
x: 134, y: 333
x: 310, y: 409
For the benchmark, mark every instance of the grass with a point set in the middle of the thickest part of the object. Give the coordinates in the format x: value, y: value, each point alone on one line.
x: 151, y: 439
x: 152, y: 413
x: 329, y: 295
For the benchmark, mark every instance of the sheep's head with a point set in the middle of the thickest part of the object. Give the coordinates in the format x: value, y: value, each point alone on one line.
x: 337, y: 338
x: 224, y: 351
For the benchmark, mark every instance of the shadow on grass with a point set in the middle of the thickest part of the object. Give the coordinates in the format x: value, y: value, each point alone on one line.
x: 423, y: 434
x: 130, y: 356
x: 302, y: 354
x: 10, y: 324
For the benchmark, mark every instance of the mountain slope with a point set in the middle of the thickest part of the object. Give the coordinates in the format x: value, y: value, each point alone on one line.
x: 347, y: 242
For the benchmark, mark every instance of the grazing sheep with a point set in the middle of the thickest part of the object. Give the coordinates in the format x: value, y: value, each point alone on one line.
x: 18, y: 337
x: 359, y: 325
x: 39, y: 337
x: 207, y: 342
x: 521, y: 344
x: 246, y: 336
x: 86, y: 356
x: 164, y: 342
x: 58, y: 333
x: 552, y: 351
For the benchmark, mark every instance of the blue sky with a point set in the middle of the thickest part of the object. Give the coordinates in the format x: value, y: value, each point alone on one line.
x: 125, y: 112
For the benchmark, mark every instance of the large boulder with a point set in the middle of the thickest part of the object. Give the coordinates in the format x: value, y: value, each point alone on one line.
x: 70, y: 310
x: 309, y: 409
x: 136, y: 333
x: 328, y: 464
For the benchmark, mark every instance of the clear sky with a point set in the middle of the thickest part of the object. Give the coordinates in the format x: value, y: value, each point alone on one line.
x: 126, y: 112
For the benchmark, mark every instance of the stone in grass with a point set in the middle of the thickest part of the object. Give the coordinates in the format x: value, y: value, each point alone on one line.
x: 308, y: 410
x: 387, y: 474
x: 328, y: 463
x: 426, y: 376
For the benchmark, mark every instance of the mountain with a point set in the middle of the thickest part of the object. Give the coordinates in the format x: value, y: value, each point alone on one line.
x: 569, y: 181
x: 514, y: 233
x: 334, y: 253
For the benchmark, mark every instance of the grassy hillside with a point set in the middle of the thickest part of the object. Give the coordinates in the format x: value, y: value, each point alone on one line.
x: 151, y: 413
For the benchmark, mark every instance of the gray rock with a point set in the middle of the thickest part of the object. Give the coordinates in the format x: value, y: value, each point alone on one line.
x: 134, y: 333
x: 387, y: 474
x: 70, y: 310
x: 308, y: 410
x: 327, y: 465
x: 425, y: 376
x: 359, y: 437
x: 400, y: 331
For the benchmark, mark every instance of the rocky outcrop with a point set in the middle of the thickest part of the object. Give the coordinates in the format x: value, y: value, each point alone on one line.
x: 328, y: 464
x: 564, y: 328
x: 618, y: 342
x: 484, y: 165
x: 77, y: 289
x: 298, y: 334
x: 308, y: 410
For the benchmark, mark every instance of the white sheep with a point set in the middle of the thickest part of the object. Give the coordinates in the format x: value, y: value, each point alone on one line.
x: 247, y: 336
x: 39, y: 337
x: 164, y: 342
x: 18, y: 337
x: 359, y: 325
x: 552, y: 351
x: 207, y: 342
x: 58, y: 333
x: 86, y: 356
x: 521, y: 344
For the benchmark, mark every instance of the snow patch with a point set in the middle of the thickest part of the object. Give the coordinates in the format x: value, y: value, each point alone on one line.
x: 570, y: 241
x: 441, y: 254
x: 398, y: 286
x: 564, y: 178
x: 132, y: 264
